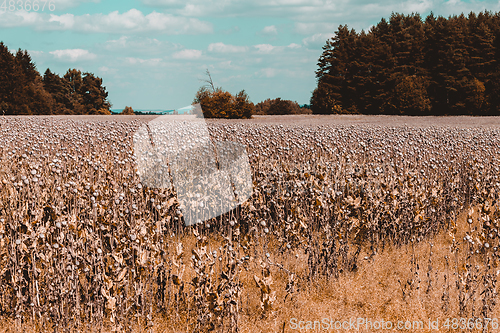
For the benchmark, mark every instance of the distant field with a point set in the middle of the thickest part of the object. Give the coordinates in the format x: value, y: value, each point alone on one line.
x: 375, y: 217
x: 452, y: 121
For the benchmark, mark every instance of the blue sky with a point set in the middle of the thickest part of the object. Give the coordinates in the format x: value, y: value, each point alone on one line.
x: 153, y: 54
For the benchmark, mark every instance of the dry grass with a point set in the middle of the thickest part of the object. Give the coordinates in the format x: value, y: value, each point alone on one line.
x: 344, y: 222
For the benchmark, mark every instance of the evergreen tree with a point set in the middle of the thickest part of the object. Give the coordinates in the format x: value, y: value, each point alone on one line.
x: 11, y: 80
x: 23, y: 91
x: 409, y: 66
x: 332, y: 74
x: 60, y: 89
x: 21, y: 87
x: 381, y: 64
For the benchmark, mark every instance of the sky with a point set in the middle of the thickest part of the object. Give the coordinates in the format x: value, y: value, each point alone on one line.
x: 154, y: 54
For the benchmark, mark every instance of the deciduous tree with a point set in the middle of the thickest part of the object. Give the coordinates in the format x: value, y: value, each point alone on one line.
x: 128, y: 111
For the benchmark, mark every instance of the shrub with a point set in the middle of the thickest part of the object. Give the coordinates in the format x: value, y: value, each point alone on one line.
x: 128, y: 111
x: 102, y: 111
x: 218, y: 103
x: 280, y: 106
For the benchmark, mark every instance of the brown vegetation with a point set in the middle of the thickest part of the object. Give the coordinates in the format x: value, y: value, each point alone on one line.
x: 279, y: 106
x: 381, y: 222
x: 222, y: 104
x: 128, y: 111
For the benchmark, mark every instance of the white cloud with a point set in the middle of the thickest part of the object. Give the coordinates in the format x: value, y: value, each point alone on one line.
x: 320, y: 16
x: 225, y: 48
x: 458, y: 6
x: 65, y: 21
x: 267, y: 72
x: 418, y: 6
x: 294, y: 2
x: 264, y: 48
x: 294, y: 46
x: 187, y: 54
x: 132, y: 21
x: 230, y: 30
x: 121, y: 42
x: 140, y: 61
x: 269, y: 30
x: 34, y: 53
x: 19, y: 19
x: 163, y: 2
x: 39, y: 57
x: 233, y: 78
x: 133, y: 44
x: 308, y: 28
x: 239, y: 8
x: 229, y: 64
x: 314, y: 10
x: 73, y: 55
x: 317, y: 39
x: 64, y: 4
x: 135, y: 21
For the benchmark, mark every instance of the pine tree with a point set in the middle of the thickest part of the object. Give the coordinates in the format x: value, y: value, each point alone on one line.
x: 10, y: 82
x: 382, y: 62
x: 333, y: 73
x: 451, y: 63
x: 437, y: 60
x: 21, y: 87
x: 59, y: 88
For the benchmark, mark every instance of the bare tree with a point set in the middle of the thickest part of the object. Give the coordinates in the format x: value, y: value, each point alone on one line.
x: 209, y: 81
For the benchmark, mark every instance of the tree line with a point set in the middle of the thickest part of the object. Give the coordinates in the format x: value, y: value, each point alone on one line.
x: 222, y: 104
x: 218, y: 103
x: 278, y: 106
x: 403, y: 66
x: 23, y: 91
x: 407, y: 65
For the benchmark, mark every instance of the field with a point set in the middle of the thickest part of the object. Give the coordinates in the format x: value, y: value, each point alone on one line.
x: 373, y: 219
